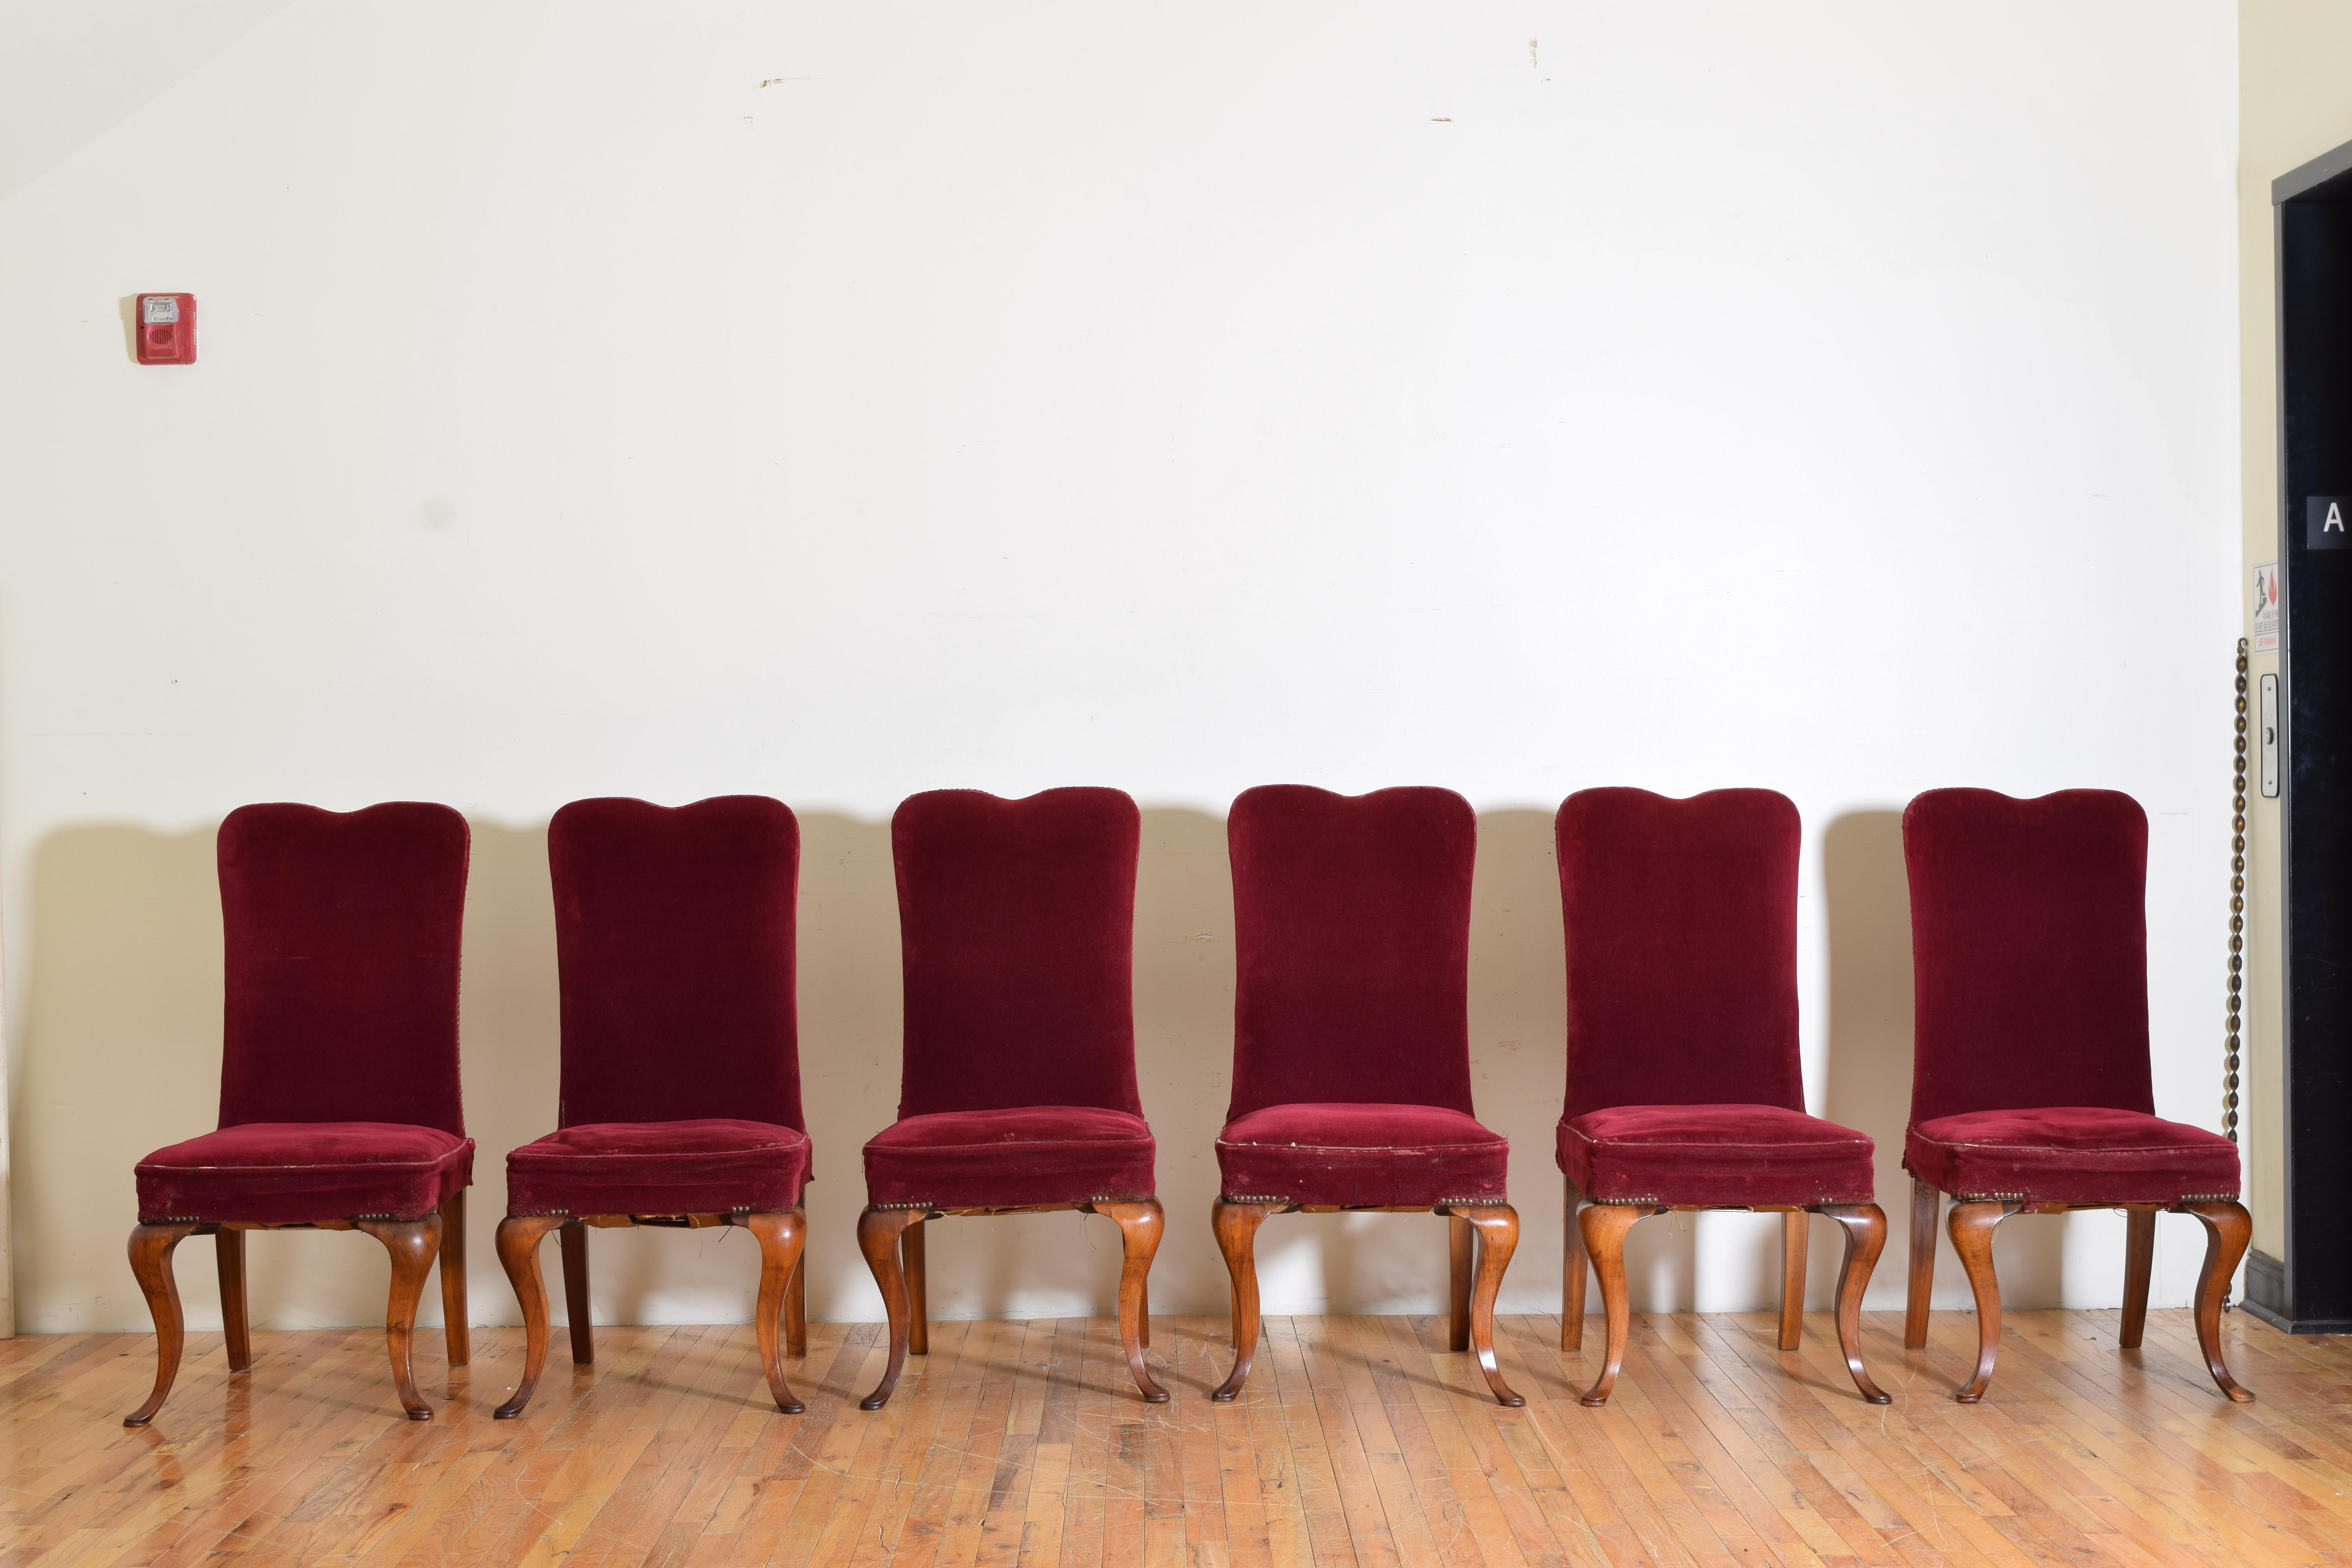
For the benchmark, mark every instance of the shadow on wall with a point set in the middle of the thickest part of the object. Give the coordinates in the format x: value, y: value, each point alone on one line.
x: 121, y: 1055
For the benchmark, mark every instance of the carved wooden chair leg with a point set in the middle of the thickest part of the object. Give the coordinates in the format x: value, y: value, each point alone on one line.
x: 1794, y: 1231
x: 1925, y: 1204
x: 1604, y: 1226
x: 782, y: 1236
x: 1972, y: 1225
x: 1139, y: 1228
x: 413, y: 1243
x: 796, y: 1304
x: 455, y: 1327
x: 2228, y: 1228
x: 1573, y: 1266
x: 1497, y: 1225
x: 228, y: 1253
x: 574, y: 1239
x: 1458, y: 1267
x: 878, y: 1231
x: 918, y: 1288
x: 1143, y: 1308
x: 150, y: 1265
x: 2139, y: 1261
x: 1236, y: 1228
x: 519, y: 1235
x: 1865, y: 1238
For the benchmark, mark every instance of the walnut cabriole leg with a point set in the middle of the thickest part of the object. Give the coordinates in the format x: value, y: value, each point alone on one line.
x: 1604, y: 1226
x: 1793, y: 1234
x: 1573, y: 1266
x: 2139, y: 1261
x: 1458, y: 1235
x: 413, y: 1243
x: 1236, y: 1226
x: 1925, y: 1201
x: 455, y: 1328
x: 1139, y: 1228
x: 1972, y: 1225
x: 781, y: 1237
x: 519, y: 1235
x: 916, y: 1263
x: 228, y: 1253
x: 150, y: 1265
x: 1497, y: 1225
x: 2228, y: 1228
x: 796, y: 1303
x: 1865, y: 1237
x: 878, y: 1231
x: 574, y: 1240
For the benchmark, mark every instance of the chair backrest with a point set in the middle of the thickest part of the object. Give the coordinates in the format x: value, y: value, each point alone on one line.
x: 1681, y: 920
x: 2029, y: 945
x: 1351, y: 935
x: 342, y: 932
x: 673, y: 953
x: 1017, y: 935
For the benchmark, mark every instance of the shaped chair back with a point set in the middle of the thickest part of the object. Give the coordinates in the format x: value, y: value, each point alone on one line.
x: 1682, y: 949
x: 1351, y: 934
x: 341, y: 933
x: 2029, y: 943
x: 1016, y: 931
x: 674, y: 952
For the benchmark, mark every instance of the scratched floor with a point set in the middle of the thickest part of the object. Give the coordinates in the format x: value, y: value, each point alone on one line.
x: 1357, y: 1442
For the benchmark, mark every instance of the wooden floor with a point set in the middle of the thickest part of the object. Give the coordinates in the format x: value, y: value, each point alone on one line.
x: 1356, y: 1442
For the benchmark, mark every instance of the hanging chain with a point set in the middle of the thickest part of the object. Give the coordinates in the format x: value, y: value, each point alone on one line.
x: 2237, y: 926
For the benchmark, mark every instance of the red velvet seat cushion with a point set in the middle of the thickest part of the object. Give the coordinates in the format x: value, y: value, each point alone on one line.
x: 1405, y: 1156
x: 1004, y: 1159
x: 2071, y: 1154
x: 1727, y: 1157
x: 710, y: 1165
x: 301, y: 1173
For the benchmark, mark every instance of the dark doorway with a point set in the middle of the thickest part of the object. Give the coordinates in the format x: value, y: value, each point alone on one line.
x: 2309, y: 1290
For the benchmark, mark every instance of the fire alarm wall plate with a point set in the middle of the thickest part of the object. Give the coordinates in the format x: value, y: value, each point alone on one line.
x: 167, y: 329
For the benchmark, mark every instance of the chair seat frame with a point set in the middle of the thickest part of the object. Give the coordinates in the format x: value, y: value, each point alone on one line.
x: 1974, y: 1218
x: 780, y: 1317
x: 415, y: 1246
x: 891, y: 1238
x: 1493, y: 1226
x: 1597, y: 1232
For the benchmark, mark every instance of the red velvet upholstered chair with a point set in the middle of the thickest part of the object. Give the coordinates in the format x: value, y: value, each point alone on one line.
x: 1352, y: 1040
x: 1685, y: 1087
x: 340, y: 1106
x: 1016, y: 924
x: 681, y: 1082
x: 2031, y: 1090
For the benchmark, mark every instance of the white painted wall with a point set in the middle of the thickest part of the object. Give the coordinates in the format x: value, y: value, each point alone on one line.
x: 69, y: 72
x: 841, y: 400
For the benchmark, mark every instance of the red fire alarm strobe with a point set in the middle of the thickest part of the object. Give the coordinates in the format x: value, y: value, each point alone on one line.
x: 167, y: 329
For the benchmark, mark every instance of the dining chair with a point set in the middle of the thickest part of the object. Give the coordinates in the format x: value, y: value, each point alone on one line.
x: 1685, y: 1090
x: 1017, y: 1091
x: 339, y: 1107
x: 2031, y: 1090
x: 679, y: 1099
x: 1351, y: 1044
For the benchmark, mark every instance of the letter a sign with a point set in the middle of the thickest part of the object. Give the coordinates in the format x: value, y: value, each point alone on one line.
x: 2327, y: 522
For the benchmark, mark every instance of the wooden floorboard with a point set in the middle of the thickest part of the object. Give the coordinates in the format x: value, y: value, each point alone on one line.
x: 1360, y: 1441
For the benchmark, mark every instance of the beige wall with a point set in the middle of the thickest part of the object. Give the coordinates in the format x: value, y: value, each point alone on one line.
x: 2293, y: 106
x: 836, y: 400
